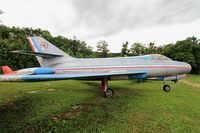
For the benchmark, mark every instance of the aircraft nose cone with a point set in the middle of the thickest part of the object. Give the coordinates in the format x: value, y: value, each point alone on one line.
x: 188, y: 67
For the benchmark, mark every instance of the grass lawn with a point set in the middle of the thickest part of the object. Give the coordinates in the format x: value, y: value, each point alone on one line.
x: 78, y: 106
x: 194, y: 78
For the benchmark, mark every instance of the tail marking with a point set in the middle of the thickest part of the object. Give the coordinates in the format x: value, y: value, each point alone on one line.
x: 33, y: 44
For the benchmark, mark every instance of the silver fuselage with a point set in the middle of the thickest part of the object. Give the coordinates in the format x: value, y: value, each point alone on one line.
x: 154, y: 68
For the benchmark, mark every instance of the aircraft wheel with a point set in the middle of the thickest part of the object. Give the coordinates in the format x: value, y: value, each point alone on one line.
x: 166, y: 88
x: 109, y: 93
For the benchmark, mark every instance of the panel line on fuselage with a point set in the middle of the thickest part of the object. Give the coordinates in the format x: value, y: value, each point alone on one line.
x: 117, y: 65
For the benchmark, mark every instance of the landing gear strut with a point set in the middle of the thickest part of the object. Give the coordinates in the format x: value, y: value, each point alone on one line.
x: 166, y: 88
x: 108, y: 92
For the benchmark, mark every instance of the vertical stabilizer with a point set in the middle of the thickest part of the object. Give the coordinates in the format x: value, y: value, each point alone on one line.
x: 40, y: 45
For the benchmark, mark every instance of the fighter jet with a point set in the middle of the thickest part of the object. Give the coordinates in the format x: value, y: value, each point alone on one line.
x: 57, y: 65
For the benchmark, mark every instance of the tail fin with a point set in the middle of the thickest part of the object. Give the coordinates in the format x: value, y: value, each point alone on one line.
x: 7, y: 70
x: 39, y: 44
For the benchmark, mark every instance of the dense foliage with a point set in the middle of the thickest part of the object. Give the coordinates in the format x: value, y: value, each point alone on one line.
x: 16, y: 39
x: 12, y: 38
x: 187, y: 50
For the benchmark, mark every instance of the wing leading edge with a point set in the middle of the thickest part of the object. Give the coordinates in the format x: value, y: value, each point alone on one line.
x: 46, y: 77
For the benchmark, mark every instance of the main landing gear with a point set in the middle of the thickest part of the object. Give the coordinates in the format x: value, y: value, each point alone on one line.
x: 166, y: 88
x: 108, y: 92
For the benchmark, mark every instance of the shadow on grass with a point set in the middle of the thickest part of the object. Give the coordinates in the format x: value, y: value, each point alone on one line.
x: 20, y: 115
x: 119, y: 90
x: 103, y: 110
x: 14, y: 116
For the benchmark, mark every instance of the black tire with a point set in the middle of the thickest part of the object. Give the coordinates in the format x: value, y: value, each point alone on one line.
x: 166, y: 88
x: 108, y: 93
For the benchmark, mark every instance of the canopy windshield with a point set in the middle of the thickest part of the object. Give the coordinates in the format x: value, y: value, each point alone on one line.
x: 159, y: 57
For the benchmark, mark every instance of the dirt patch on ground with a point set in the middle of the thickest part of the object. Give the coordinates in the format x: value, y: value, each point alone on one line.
x: 50, y: 90
x: 190, y: 83
x: 139, y: 118
x: 185, y: 117
x: 31, y: 92
x: 74, y: 112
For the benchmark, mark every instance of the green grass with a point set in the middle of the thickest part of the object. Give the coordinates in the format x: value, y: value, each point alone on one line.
x: 77, y: 106
x: 194, y: 78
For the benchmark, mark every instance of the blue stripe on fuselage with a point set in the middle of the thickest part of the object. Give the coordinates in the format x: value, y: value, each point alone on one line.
x: 143, y: 57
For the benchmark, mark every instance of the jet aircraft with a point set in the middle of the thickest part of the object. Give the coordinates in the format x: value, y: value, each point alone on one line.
x: 57, y: 65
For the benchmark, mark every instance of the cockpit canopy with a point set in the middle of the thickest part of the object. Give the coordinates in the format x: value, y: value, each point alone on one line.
x: 158, y: 57
x: 151, y: 57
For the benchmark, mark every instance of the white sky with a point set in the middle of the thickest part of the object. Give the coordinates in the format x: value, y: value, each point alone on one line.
x: 116, y: 21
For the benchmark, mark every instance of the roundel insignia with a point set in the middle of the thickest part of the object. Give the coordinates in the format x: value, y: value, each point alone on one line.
x: 44, y: 45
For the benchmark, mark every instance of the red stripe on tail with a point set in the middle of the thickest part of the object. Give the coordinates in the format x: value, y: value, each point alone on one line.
x: 29, y: 42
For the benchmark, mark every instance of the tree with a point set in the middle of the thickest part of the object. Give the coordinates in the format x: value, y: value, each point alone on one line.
x: 102, y: 47
x: 14, y: 38
x: 125, y: 51
x: 196, y: 53
x: 185, y: 50
x: 138, y: 49
x: 151, y: 49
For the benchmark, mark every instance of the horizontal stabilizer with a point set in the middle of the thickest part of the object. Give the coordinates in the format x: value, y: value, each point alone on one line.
x: 41, y: 54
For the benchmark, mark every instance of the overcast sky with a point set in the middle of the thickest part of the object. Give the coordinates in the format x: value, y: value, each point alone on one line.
x: 116, y: 21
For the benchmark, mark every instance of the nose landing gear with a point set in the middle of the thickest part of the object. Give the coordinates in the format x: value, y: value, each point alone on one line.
x: 166, y: 88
